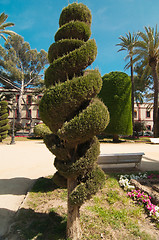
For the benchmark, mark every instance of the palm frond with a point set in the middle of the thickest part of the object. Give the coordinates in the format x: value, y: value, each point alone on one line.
x: 9, y: 24
x: 3, y: 17
x: 9, y: 32
x: 5, y: 39
x: 143, y: 36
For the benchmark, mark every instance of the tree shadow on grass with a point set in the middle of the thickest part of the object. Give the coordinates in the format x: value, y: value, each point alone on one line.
x: 44, y: 184
x: 29, y: 224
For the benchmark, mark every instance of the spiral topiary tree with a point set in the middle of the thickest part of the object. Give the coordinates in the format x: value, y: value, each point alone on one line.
x: 72, y: 111
x: 3, y: 120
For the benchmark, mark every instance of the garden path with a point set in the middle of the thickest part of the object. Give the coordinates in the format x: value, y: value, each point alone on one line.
x: 22, y: 163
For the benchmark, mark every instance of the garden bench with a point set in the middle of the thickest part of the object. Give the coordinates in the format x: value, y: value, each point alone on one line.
x: 120, y: 158
x: 154, y: 140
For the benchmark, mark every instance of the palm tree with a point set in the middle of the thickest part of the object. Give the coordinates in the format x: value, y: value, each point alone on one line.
x: 147, y: 50
x: 3, y: 26
x: 127, y: 44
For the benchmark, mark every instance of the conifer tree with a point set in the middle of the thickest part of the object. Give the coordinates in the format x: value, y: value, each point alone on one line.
x: 72, y: 111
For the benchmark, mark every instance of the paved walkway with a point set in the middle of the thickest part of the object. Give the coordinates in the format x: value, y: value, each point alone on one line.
x: 150, y: 161
x: 21, y: 164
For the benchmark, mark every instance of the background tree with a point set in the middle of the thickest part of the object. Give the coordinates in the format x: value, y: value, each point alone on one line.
x: 21, y: 67
x: 139, y: 126
x: 3, y: 25
x: 147, y: 51
x: 71, y: 110
x: 116, y: 95
x: 128, y: 44
x: 3, y: 120
x: 143, y: 84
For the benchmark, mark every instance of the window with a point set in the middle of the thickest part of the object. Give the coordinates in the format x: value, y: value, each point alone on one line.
x: 28, y: 114
x: 148, y: 127
x: 147, y: 114
x: 29, y: 99
x: 135, y: 114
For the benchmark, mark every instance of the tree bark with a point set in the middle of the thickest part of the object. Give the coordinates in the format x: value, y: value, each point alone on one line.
x: 115, y: 138
x: 73, y: 214
x: 155, y: 106
x: 19, y: 117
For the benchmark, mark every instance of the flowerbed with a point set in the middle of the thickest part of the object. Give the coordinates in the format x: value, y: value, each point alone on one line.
x: 139, y: 196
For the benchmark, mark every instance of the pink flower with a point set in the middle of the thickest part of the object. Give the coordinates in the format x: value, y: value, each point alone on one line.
x: 139, y: 195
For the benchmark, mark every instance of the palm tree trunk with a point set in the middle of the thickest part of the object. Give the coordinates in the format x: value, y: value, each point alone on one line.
x: 132, y: 93
x: 155, y: 106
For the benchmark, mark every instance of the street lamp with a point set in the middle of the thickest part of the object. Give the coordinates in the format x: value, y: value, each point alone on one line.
x: 13, y: 127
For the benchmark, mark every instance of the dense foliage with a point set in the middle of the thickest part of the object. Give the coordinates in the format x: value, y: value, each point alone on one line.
x: 116, y: 94
x: 3, y: 120
x: 71, y: 109
x: 40, y: 130
x: 69, y: 106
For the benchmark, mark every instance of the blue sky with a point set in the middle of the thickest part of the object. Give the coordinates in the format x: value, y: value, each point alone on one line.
x: 37, y: 22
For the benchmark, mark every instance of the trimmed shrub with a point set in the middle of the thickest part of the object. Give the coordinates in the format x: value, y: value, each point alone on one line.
x: 71, y: 110
x: 71, y: 64
x: 75, y: 12
x: 4, y: 126
x: 41, y: 130
x: 63, y: 47
x: 116, y: 95
x: 73, y: 30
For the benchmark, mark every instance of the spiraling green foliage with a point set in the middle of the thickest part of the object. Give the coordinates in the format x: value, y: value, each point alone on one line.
x: 116, y: 95
x: 74, y: 30
x: 63, y: 47
x: 4, y: 127
x: 70, y: 107
x: 75, y: 12
x: 71, y: 64
x: 70, y: 93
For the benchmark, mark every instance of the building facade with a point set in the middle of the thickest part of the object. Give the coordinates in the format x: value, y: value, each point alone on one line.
x: 29, y: 108
x: 142, y: 112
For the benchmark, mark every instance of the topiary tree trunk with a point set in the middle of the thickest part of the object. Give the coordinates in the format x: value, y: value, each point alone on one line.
x: 3, y: 120
x: 72, y: 111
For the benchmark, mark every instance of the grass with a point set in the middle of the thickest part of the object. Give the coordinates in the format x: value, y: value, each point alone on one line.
x: 110, y: 214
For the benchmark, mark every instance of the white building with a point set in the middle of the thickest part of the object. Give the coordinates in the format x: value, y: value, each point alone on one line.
x: 144, y: 112
x: 32, y: 105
